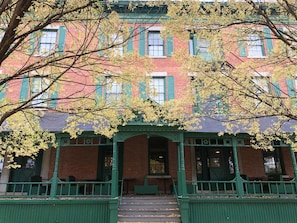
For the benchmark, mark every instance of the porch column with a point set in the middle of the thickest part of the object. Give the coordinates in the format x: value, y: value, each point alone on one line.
x: 294, y: 165
x: 114, y: 172
x: 239, y: 182
x: 55, y: 179
x: 182, y: 184
x: 4, y: 176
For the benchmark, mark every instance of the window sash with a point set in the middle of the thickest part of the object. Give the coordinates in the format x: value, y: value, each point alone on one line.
x: 157, y: 88
x: 47, y: 42
x: 155, y: 44
x: 39, y: 85
x: 255, y: 46
x: 114, y: 91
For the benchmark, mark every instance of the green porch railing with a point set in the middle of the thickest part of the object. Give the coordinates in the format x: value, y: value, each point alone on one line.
x: 74, y: 189
x: 253, y: 189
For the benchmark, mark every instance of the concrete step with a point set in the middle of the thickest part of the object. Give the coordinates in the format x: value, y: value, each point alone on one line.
x: 149, y: 209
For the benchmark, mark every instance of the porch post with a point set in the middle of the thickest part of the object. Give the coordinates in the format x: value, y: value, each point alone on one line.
x: 294, y: 164
x: 55, y: 179
x: 239, y: 182
x: 114, y: 173
x: 182, y: 184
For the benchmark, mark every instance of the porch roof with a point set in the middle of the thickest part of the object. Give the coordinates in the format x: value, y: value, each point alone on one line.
x: 56, y: 122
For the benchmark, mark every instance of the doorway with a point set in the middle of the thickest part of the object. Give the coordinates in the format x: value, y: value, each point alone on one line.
x: 214, y: 164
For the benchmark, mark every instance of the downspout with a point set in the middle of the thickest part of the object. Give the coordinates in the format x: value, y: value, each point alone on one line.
x: 55, y: 179
x: 239, y: 181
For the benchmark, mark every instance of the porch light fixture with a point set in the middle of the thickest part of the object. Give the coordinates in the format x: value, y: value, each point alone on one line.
x: 218, y: 151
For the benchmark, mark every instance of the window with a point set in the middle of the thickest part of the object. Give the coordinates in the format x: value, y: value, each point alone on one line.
x: 261, y: 85
x: 158, y: 156
x: 255, y: 46
x: 155, y: 44
x: 47, y: 42
x: 200, y: 47
x: 272, y: 163
x: 116, y: 41
x: 39, y: 85
x: 114, y: 90
x: 157, y: 88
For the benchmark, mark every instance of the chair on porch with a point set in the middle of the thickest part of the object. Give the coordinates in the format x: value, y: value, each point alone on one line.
x: 146, y: 188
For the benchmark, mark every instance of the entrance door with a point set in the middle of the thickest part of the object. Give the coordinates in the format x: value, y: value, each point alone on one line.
x: 105, y: 162
x: 214, y: 163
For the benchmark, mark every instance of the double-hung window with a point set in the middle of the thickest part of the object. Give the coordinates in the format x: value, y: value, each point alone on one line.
x: 48, y: 41
x: 255, y: 46
x: 272, y: 161
x: 200, y: 47
x: 155, y: 44
x: 39, y: 92
x: 157, y: 89
x: 114, y: 90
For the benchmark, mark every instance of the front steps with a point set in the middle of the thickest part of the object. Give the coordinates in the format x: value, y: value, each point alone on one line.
x: 149, y: 209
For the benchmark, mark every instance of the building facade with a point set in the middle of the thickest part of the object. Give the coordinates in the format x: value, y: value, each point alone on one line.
x: 214, y: 178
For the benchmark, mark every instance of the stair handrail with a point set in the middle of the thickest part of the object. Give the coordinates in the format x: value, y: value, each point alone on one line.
x: 121, y: 190
x: 175, y: 191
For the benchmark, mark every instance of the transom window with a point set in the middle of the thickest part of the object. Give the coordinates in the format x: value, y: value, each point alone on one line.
x: 255, y: 46
x: 157, y: 88
x: 48, y: 41
x: 155, y: 44
x: 114, y: 90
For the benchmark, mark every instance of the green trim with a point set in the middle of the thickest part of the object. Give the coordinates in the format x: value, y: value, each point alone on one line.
x: 291, y: 88
x: 32, y: 43
x: 128, y: 90
x: 99, y: 92
x: 62, y: 39
x: 101, y: 39
x: 276, y: 89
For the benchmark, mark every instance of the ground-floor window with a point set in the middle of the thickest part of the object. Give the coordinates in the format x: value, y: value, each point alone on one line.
x: 272, y: 162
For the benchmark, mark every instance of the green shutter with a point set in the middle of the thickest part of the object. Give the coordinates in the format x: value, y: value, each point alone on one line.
x: 128, y: 90
x: 142, y: 41
x: 195, y: 41
x: 170, y: 84
x: 142, y: 90
x: 54, y: 97
x: 32, y: 43
x: 101, y: 40
x: 130, y: 40
x: 24, y: 88
x: 241, y: 46
x: 169, y: 45
x: 62, y: 39
x: 291, y: 88
x: 99, y: 92
x: 268, y: 40
x: 276, y: 89
x: 3, y: 91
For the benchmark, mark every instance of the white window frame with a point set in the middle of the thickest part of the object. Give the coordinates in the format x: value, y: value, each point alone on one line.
x: 255, y: 46
x: 38, y: 85
x: 45, y: 48
x: 157, y: 88
x: 113, y: 90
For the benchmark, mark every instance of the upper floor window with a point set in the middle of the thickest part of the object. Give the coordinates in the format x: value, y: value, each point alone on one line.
x: 255, y: 46
x: 157, y: 87
x: 114, y: 90
x: 160, y: 88
x: 155, y: 44
x: 152, y: 43
x: 39, y: 89
x: 48, y: 41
